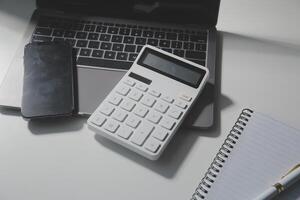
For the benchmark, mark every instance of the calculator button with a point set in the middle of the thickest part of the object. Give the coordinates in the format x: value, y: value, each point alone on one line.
x: 124, y: 132
x: 154, y: 117
x: 133, y: 121
x: 135, y: 95
x: 98, y: 119
x: 115, y: 99
x: 142, y: 87
x: 181, y: 104
x: 141, y: 111
x: 106, y: 109
x: 152, y: 145
x: 160, y: 133
x: 129, y: 82
x: 175, y: 113
x: 111, y: 125
x: 119, y: 115
x: 186, y: 97
x: 167, y: 123
x: 154, y: 93
x: 127, y: 105
x: 142, y: 133
x: 168, y: 99
x: 161, y: 107
x: 123, y: 90
x: 148, y: 101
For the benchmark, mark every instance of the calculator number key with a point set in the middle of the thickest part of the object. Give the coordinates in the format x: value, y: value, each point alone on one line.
x: 106, y: 109
x: 123, y: 90
x: 148, y: 101
x: 133, y: 121
x: 167, y: 123
x: 135, y: 95
x: 127, y: 105
x: 174, y: 113
x: 98, y: 119
x: 161, y: 107
x: 124, y: 132
x: 154, y: 117
x: 115, y: 99
x: 152, y: 145
x: 141, y: 111
x: 111, y: 125
x: 119, y: 115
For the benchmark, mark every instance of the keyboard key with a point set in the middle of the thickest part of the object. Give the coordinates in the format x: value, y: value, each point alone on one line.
x: 160, y: 133
x: 140, y: 41
x: 113, y: 30
x: 188, y: 45
x: 154, y: 117
x: 164, y: 43
x: 136, y: 32
x: 124, y: 132
x: 69, y: 34
x: 97, y: 53
x: 198, y: 38
x: 81, y: 35
x: 103, y: 63
x: 115, y: 99
x: 168, y: 99
x: 122, y: 56
x: 123, y: 90
x: 58, y: 33
x: 152, y: 145
x: 132, y: 56
x: 176, y: 44
x: 153, y: 42
x: 98, y: 119
x: 119, y: 115
x: 183, y: 37
x: 147, y: 33
x: 167, y: 123
x: 178, y: 52
x: 101, y: 29
x: 118, y: 47
x: 43, y: 31
x: 161, y: 107
x: 133, y: 121
x: 90, y: 28
x: 148, y: 101
x: 200, y: 47
x: 135, y: 95
x: 128, y: 105
x: 160, y: 35
x: 111, y: 125
x: 128, y: 40
x: 195, y: 54
x: 105, y: 46
x: 110, y: 54
x: 141, y: 111
x: 85, y: 52
x: 181, y: 104
x: 124, y: 31
x: 37, y: 38
x: 142, y: 87
x: 106, y: 109
x: 77, y: 27
x: 93, y: 36
x: 154, y: 93
x: 56, y: 39
x: 141, y: 134
x: 171, y: 36
x: 129, y: 82
x: 81, y: 43
x: 129, y: 48
x: 105, y: 37
x: 175, y: 113
x: 94, y: 44
x: 117, y: 38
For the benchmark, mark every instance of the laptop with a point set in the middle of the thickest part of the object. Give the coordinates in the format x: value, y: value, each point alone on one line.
x: 107, y: 35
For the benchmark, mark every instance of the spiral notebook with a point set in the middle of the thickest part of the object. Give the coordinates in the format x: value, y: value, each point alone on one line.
x: 256, y: 153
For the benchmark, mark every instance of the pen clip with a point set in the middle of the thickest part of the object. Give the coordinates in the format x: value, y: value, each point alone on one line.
x: 295, y: 167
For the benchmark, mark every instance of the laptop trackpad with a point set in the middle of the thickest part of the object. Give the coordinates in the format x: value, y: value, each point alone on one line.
x: 93, y: 86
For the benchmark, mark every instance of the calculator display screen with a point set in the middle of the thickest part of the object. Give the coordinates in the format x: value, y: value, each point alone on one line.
x: 171, y: 67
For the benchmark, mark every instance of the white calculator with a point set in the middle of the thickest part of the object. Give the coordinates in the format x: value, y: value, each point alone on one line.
x: 148, y: 105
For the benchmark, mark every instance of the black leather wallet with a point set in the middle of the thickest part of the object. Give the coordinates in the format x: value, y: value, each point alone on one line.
x: 48, y: 88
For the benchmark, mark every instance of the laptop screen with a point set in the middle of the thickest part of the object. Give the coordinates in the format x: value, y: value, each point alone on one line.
x: 203, y: 12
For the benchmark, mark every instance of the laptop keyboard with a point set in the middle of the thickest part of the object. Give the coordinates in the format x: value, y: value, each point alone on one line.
x: 116, y: 45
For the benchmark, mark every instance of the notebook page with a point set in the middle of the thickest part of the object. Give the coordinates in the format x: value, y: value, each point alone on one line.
x: 266, y: 150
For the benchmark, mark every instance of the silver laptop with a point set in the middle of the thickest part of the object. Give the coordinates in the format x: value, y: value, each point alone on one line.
x: 107, y: 35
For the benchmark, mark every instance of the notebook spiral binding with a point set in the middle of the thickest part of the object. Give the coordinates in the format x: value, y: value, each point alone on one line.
x: 223, y: 154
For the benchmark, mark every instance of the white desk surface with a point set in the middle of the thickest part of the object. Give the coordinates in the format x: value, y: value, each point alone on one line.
x: 260, y: 59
